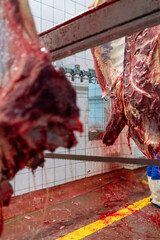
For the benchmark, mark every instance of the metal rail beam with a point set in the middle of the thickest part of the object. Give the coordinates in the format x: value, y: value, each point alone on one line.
x: 109, y: 21
x: 140, y: 161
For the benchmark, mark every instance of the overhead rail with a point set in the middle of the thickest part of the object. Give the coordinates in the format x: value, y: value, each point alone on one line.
x: 101, y: 24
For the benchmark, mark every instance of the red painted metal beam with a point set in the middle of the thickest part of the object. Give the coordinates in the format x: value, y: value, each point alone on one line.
x: 109, y: 21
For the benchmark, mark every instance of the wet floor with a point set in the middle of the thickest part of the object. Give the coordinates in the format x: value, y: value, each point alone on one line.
x: 69, y: 215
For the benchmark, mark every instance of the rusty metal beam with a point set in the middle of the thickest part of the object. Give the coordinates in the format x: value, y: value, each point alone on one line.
x: 140, y: 161
x: 107, y: 22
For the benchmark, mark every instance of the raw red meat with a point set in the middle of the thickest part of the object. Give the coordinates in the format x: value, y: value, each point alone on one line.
x: 109, y: 71
x: 134, y: 87
x: 141, y: 81
x: 37, y: 103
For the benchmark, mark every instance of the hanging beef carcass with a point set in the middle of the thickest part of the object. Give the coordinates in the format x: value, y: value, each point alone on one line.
x: 141, y: 98
x: 37, y: 103
x: 128, y: 70
x: 108, y: 61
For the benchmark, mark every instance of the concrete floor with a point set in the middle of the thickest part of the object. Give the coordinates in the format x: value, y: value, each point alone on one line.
x: 66, y: 216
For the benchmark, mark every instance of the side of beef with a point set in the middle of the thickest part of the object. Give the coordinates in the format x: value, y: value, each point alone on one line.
x: 38, y: 108
x: 134, y: 87
x: 109, y: 71
x: 141, y: 81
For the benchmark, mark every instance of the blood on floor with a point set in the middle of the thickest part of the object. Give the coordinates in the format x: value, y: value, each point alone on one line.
x: 64, y: 217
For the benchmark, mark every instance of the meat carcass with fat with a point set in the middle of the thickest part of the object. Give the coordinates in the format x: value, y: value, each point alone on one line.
x: 38, y: 108
x: 128, y: 70
x: 141, y: 98
x: 109, y: 71
x: 108, y: 62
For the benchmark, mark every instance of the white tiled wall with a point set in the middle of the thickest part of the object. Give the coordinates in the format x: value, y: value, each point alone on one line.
x: 48, y: 13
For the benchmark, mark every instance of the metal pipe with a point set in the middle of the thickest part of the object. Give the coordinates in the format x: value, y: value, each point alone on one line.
x: 140, y: 161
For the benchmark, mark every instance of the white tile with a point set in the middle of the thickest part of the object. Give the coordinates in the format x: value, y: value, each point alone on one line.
x: 49, y: 176
x: 69, y: 77
x: 35, y: 8
x: 59, y: 182
x: 82, y: 2
x: 49, y: 163
x: 59, y: 4
x: 70, y: 7
x: 85, y: 67
x: 47, y: 13
x: 46, y: 25
x: 89, y: 64
x: 68, y: 16
x: 83, y: 103
x: 70, y: 162
x: 81, y: 54
x: 59, y: 63
x: 79, y: 9
x: 73, y: 150
x: 89, y: 2
x: 80, y: 169
x: 50, y: 185
x: 22, y: 182
x: 38, y: 169
x: 70, y: 61
x: 84, y: 117
x: 23, y: 171
x: 79, y: 177
x: 89, y: 54
x: 60, y: 162
x: 81, y: 143
x: 37, y: 21
x: 48, y: 2
x: 80, y: 152
x: 58, y: 16
x: 60, y: 150
x: 70, y: 171
x: 20, y: 192
x: 60, y: 174
x: 91, y: 168
x: 81, y: 62
x: 69, y: 180
x: 38, y: 187
x: 36, y: 179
